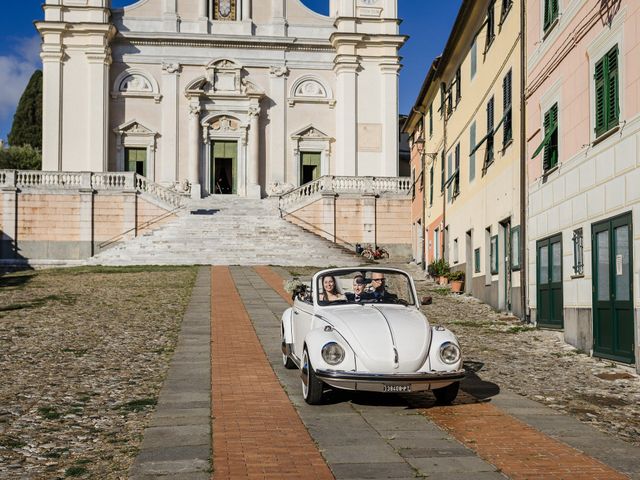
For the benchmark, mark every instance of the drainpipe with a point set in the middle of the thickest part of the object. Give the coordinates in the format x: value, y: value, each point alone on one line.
x: 444, y: 161
x: 524, y: 285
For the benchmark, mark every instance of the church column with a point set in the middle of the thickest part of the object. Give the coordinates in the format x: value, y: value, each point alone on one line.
x: 253, y: 162
x: 203, y: 16
x: 347, y: 118
x: 52, y: 55
x: 170, y: 16
x: 194, y: 150
x: 246, y: 10
x: 278, y: 18
x: 390, y: 119
x: 202, y: 8
x: 169, y: 149
x: 277, y: 130
x: 99, y: 61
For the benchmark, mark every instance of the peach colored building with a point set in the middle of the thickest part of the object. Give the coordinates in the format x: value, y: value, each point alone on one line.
x: 583, y: 172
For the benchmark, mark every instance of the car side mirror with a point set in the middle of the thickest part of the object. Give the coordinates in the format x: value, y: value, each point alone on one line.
x: 427, y: 300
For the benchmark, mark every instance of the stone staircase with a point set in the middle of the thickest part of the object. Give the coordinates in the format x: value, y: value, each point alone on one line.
x: 227, y: 230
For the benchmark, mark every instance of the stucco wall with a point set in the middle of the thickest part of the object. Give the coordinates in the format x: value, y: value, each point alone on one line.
x: 73, y: 225
x: 359, y: 219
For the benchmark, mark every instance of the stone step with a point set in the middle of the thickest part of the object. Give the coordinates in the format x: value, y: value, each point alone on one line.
x: 238, y: 232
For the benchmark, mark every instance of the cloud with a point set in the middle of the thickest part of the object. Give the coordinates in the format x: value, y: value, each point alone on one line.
x: 15, y: 72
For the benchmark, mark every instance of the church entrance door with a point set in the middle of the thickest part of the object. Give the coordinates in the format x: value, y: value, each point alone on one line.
x: 309, y: 167
x: 224, y: 167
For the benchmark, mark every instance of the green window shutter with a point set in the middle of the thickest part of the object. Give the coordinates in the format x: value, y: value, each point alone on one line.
x: 431, y: 120
x: 494, y: 254
x: 507, y: 102
x: 554, y: 10
x: 613, y: 109
x: 456, y: 181
x: 431, y: 186
x: 490, y: 116
x: 546, y: 160
x: 550, y: 143
x: 601, y: 107
x: 458, y: 85
x: 449, y: 166
x: 472, y: 147
x: 442, y: 172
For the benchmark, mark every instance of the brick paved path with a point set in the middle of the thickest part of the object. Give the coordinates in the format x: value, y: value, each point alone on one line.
x: 520, y: 451
x: 256, y: 431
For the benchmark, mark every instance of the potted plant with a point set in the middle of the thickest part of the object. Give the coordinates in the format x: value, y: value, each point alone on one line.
x: 457, y: 281
x: 439, y: 269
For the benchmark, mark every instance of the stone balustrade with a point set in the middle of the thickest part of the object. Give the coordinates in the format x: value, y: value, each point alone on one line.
x: 103, y: 181
x: 344, y: 185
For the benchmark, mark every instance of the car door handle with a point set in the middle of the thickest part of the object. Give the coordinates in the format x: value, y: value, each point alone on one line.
x: 295, y: 312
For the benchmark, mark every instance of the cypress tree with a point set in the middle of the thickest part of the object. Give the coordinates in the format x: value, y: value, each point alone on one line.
x: 27, y: 121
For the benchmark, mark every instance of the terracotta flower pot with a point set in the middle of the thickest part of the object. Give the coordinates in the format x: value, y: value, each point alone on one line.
x: 442, y: 280
x: 456, y: 286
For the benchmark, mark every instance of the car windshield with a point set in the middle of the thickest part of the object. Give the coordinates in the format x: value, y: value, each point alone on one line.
x: 364, y: 286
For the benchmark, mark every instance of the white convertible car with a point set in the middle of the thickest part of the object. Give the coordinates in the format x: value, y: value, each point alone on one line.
x: 362, y: 329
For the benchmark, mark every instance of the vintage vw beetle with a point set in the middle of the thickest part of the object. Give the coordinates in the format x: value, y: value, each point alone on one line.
x: 362, y: 329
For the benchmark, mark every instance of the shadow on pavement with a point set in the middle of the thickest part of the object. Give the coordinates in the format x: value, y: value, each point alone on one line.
x: 472, y: 390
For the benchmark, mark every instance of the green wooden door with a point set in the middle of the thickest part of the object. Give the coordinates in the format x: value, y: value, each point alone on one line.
x: 309, y: 167
x: 613, y: 335
x: 135, y: 160
x: 224, y: 167
x: 549, y: 280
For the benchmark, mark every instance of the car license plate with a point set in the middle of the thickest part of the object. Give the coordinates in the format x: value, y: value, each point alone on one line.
x: 396, y: 388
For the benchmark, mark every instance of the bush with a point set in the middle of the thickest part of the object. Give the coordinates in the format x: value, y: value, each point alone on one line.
x: 20, y: 158
x: 438, y: 268
x: 456, y: 276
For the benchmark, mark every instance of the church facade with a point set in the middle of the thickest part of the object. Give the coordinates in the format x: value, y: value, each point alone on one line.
x: 246, y: 97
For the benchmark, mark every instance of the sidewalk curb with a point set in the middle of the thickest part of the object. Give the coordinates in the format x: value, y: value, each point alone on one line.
x: 178, y: 439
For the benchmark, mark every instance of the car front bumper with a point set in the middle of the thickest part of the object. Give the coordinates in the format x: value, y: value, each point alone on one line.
x: 398, y: 382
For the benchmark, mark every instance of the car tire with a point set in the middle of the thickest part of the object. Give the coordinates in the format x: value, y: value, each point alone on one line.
x: 446, y: 395
x: 286, y: 361
x: 313, y: 391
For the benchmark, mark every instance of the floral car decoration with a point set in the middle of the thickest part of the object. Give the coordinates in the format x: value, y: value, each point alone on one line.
x: 362, y: 329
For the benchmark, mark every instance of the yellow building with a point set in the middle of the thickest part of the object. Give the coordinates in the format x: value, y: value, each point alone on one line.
x: 470, y: 112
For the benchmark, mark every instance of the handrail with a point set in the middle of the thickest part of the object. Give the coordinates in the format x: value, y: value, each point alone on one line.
x: 340, y: 185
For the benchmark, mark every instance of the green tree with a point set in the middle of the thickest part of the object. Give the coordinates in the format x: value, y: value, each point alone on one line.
x: 27, y: 121
x: 20, y: 158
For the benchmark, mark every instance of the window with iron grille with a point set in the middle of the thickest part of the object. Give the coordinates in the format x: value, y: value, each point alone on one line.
x: 607, y: 92
x: 550, y: 14
x: 507, y: 102
x: 491, y: 26
x: 578, y: 252
x: 476, y: 260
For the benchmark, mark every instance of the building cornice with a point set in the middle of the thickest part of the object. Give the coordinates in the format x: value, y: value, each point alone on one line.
x: 209, y: 41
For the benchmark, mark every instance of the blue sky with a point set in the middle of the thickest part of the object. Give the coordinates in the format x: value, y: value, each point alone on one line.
x: 427, y: 22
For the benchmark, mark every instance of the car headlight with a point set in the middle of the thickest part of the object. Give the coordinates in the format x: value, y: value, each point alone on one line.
x: 449, y: 353
x: 333, y: 353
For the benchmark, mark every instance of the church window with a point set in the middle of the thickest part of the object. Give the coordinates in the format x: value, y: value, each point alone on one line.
x: 136, y: 160
x: 223, y: 10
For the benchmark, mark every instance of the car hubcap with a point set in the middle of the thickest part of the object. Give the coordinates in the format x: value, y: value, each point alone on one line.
x: 305, y: 375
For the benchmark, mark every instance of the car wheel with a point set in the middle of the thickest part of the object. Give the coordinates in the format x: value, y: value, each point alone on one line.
x: 446, y: 395
x: 286, y: 361
x: 312, y: 387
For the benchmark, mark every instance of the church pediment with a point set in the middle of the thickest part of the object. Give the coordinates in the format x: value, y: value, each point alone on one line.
x: 133, y: 127
x: 223, y: 77
x: 310, y: 133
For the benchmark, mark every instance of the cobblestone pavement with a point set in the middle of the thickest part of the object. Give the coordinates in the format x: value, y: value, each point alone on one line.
x: 83, y: 353
x: 538, y: 364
